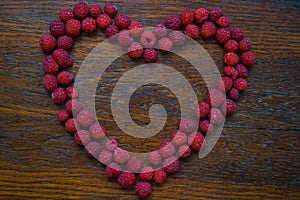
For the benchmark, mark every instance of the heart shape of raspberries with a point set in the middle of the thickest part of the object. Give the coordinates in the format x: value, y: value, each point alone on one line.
x: 141, y: 43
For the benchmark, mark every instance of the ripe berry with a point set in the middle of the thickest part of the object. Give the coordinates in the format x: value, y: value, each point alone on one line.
x: 201, y: 16
x: 240, y: 84
x: 242, y: 70
x: 186, y: 125
x: 187, y: 17
x: 111, y: 30
x: 150, y: 55
x: 62, y: 58
x: 95, y: 11
x: 160, y: 176
x: 177, y: 37
x: 215, y: 98
x: 64, y: 78
x: 65, y: 42
x: 111, y: 144
x: 57, y: 28
x: 93, y: 149
x: 215, y: 116
x: 113, y: 170
x: 225, y: 82
x: 245, y: 44
x: 208, y: 30
x: 231, y: 59
x: 81, y: 10
x: 48, y: 42
x: 231, y: 72
x: 120, y: 155
x: 105, y: 157
x: 143, y: 189
x: 73, y: 27
x: 148, y: 39
x: 103, y: 21
x: 166, y: 149
x: 196, y: 140
x: 134, y: 165
x: 50, y: 66
x: 136, y: 29
x: 88, y: 25
x: 192, y: 31
x: 146, y: 174
x: 179, y: 138
x: 234, y: 94
x: 231, y: 46
x: 229, y: 107
x: 184, y: 151
x: 63, y: 116
x: 72, y: 125
x: 236, y: 34
x: 215, y: 14
x: 110, y: 10
x: 72, y: 92
x: 160, y: 30
x: 122, y: 21
x: 165, y: 44
x: 223, y: 35
x: 173, y: 22
x: 135, y: 50
x: 248, y: 59
x: 73, y: 106
x: 85, y: 118
x: 126, y: 179
x: 97, y: 131
x: 82, y: 137
x: 223, y: 22
x: 202, y: 110
x: 171, y: 165
x: 66, y: 15
x: 154, y: 158
x: 59, y: 95
x: 206, y: 127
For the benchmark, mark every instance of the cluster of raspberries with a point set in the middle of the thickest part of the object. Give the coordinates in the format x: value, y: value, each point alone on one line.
x: 189, y: 137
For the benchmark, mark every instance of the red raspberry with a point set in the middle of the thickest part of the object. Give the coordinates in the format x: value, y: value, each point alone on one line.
x: 126, y: 179
x: 184, y: 151
x: 166, y: 149
x: 192, y: 31
x: 206, y: 127
x: 196, y: 140
x: 81, y: 10
x: 146, y: 174
x: 236, y: 34
x: 65, y: 42
x: 85, y: 118
x: 59, y: 95
x: 62, y: 58
x: 248, y: 59
x: 165, y: 44
x: 148, y: 39
x: 111, y: 144
x: 202, y: 110
x: 73, y: 27
x: 63, y: 116
x: 208, y: 30
x: 50, y: 66
x: 230, y: 107
x: 136, y: 29
x: 177, y: 37
x: 223, y: 35
x: 154, y: 158
x: 150, y: 55
x: 215, y: 98
x: 48, y: 42
x: 245, y: 44
x: 231, y: 72
x: 135, y: 50
x: 231, y: 59
x: 97, y: 131
x: 73, y: 106
x: 242, y: 70
x: 113, y: 170
x: 103, y: 21
x: 111, y: 10
x: 171, y: 165
x: 105, y: 157
x: 187, y: 17
x: 187, y: 125
x: 225, y: 82
x: 160, y: 176
x: 160, y: 30
x: 111, y: 30
x: 215, y: 116
x: 88, y: 25
x: 240, y: 84
x: 231, y: 46
x: 134, y: 165
x: 143, y: 189
x: 234, y: 94
x: 95, y: 11
x: 122, y: 21
x: 215, y: 14
x: 82, y: 137
x: 93, y: 149
x: 224, y: 22
x: 201, y: 16
x: 179, y: 138
x: 120, y: 155
x: 57, y: 28
x: 173, y: 22
x: 72, y: 92
x: 64, y: 78
x: 66, y: 15
x: 72, y: 125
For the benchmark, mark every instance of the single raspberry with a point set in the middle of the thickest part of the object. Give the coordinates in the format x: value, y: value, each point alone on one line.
x: 64, y: 78
x: 65, y: 42
x: 177, y: 37
x: 134, y: 165
x: 73, y: 27
x: 97, y: 131
x: 85, y: 118
x: 202, y: 110
x: 234, y: 94
x: 93, y: 149
x: 150, y: 55
x: 229, y: 107
x: 95, y: 11
x: 146, y: 173
x: 248, y: 59
x: 201, y: 16
x: 136, y: 29
x: 111, y: 10
x: 225, y: 82
x: 103, y: 21
x: 171, y: 165
x: 111, y: 30
x: 113, y: 170
x: 66, y: 15
x: 160, y: 176
x: 62, y: 58
x: 135, y: 50
x: 215, y: 14
x: 231, y: 72
x: 105, y: 157
x: 63, y: 116
x: 223, y: 22
x: 186, y: 125
x: 148, y: 39
x: 231, y: 46
x: 166, y: 149
x: 245, y: 44
x: 72, y: 92
x: 154, y: 158
x: 179, y: 138
x: 206, y: 127
x: 165, y: 44
x: 208, y: 30
x: 120, y: 155
x: 192, y: 31
x: 240, y: 84
x: 173, y: 22
x: 81, y: 10
x: 88, y: 25
x: 223, y: 36
x: 231, y: 59
x: 72, y: 125
x: 57, y: 28
x: 73, y: 106
x: 126, y: 179
x: 122, y: 21
x: 184, y: 151
x: 143, y: 189
x: 196, y: 140
x: 111, y: 144
x: 48, y: 42
x: 215, y: 116
x: 59, y: 95
x: 242, y: 70
x: 82, y: 137
x: 187, y: 17
x: 215, y: 98
x: 236, y: 34
x: 160, y: 30
x: 50, y: 66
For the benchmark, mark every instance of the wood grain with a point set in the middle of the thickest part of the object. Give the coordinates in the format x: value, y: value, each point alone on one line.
x: 257, y: 156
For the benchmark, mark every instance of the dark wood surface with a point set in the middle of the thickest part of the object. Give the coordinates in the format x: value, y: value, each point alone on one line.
x: 257, y: 156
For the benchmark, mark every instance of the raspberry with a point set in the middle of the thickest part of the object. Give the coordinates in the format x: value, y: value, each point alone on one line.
x: 95, y: 11
x: 215, y: 14
x: 208, y: 30
x: 165, y: 44
x: 111, y: 30
x: 143, y: 189
x: 48, y: 42
x: 134, y: 165
x: 93, y: 149
x: 192, y: 31
x: 111, y: 144
x: 82, y: 137
x: 150, y: 55
x: 63, y: 116
x: 85, y: 118
x: 160, y: 30
x: 59, y: 95
x: 184, y: 151
x: 166, y: 149
x: 160, y: 176
x: 177, y: 37
x: 179, y: 138
x: 245, y: 44
x: 97, y: 131
x: 103, y: 21
x: 71, y: 125
x: 231, y: 59
x: 111, y: 10
x: 236, y: 34
x: 88, y: 25
x: 62, y: 58
x: 66, y: 15
x: 224, y: 22
x: 113, y: 170
x: 171, y: 165
x: 187, y: 17
x: 240, y: 84
x: 173, y: 22
x: 126, y: 179
x: 215, y: 116
x: 202, y: 110
x: 146, y: 174
x: 196, y: 140
x: 248, y: 59
x: 225, y: 82
x: 50, y: 66
x: 201, y: 16
x: 230, y: 107
x: 154, y: 158
x: 105, y: 157
x: 57, y: 28
x: 120, y: 155
x: 148, y: 39
x: 215, y: 98
x: 231, y: 46
x: 64, y: 78
x: 136, y: 29
x: 242, y: 70
x: 187, y: 125
x: 231, y: 72
x: 122, y: 21
x: 234, y: 94
x: 135, y: 50
x: 72, y: 92
x: 65, y: 42
x: 73, y: 27
x: 73, y: 106
x: 223, y: 35
x: 81, y: 10
x: 206, y: 127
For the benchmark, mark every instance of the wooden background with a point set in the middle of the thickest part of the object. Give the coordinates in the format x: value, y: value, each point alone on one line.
x: 257, y: 156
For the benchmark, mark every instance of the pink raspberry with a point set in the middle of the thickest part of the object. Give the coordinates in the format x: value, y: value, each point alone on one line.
x: 240, y: 84
x: 184, y: 151
x: 62, y: 58
x: 215, y: 116
x: 81, y: 10
x: 234, y: 94
x: 196, y: 140
x: 63, y: 116
x: 73, y: 106
x: 154, y: 158
x: 97, y: 131
x: 177, y: 37
x: 230, y: 107
x: 225, y: 82
x: 173, y: 22
x: 122, y: 21
x: 215, y: 14
x: 126, y: 179
x: 105, y: 157
x: 208, y: 30
x: 135, y: 50
x: 95, y: 11
x: 50, y: 66
x: 120, y: 155
x: 171, y: 165
x: 231, y: 46
x: 223, y: 22
x: 215, y: 98
x: 110, y: 10
x: 160, y: 30
x: 88, y: 25
x: 165, y: 44
x: 148, y: 39
x: 66, y: 15
x: 248, y: 59
x: 71, y: 125
x: 85, y: 118
x: 160, y: 176
x: 65, y: 42
x: 166, y: 149
x: 64, y: 78
x: 201, y: 15
x: 111, y: 30
x: 59, y: 95
x: 103, y: 21
x: 111, y: 144
x: 206, y: 126
x: 187, y: 17
x: 134, y: 165
x: 242, y: 70
x: 192, y: 31
x: 223, y: 36
x: 57, y: 28
x: 231, y: 72
x: 113, y: 170
x: 93, y: 149
x: 136, y: 29
x: 150, y: 55
x: 72, y: 92
x: 202, y: 110
x: 245, y: 44
x: 143, y: 189
x: 146, y: 173
x: 187, y: 125
x: 73, y: 27
x: 48, y: 42
x: 82, y: 137
x: 231, y: 59
x: 179, y: 138
x: 236, y: 34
